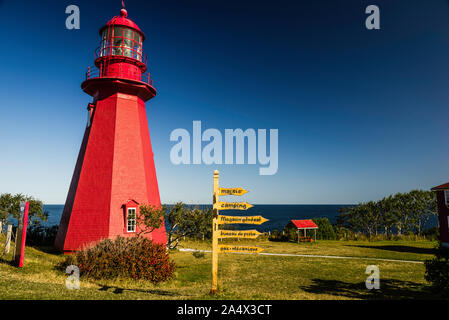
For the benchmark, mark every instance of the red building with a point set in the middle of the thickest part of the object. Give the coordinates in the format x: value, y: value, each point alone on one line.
x: 443, y: 212
x: 115, y: 171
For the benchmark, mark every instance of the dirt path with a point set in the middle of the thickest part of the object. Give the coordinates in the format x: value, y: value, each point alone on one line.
x: 313, y: 256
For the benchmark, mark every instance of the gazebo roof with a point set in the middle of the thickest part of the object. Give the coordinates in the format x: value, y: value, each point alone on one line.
x: 304, y: 224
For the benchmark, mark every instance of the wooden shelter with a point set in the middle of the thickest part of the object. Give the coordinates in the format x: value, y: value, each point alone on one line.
x: 305, y: 225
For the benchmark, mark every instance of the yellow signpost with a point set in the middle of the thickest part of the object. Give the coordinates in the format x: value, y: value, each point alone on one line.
x: 214, y: 235
x: 243, y: 220
x: 245, y: 234
x: 238, y: 249
x: 234, y: 206
x: 217, y: 220
x: 232, y: 191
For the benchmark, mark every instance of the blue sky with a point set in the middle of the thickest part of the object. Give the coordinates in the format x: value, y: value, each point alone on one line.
x: 361, y: 114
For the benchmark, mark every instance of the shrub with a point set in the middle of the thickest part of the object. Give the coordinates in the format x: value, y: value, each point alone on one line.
x: 38, y: 235
x: 432, y: 233
x: 277, y: 236
x: 136, y: 258
x: 325, y: 230
x: 290, y: 234
x: 198, y: 254
x: 437, y: 271
x: 358, y: 236
x: 342, y: 233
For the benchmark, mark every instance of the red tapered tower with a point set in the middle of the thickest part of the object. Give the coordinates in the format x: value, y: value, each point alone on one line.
x: 115, y: 171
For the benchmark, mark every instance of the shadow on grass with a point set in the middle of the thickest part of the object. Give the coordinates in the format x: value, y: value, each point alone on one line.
x: 47, y: 249
x: 7, y: 261
x: 389, y: 289
x: 118, y: 290
x: 406, y: 249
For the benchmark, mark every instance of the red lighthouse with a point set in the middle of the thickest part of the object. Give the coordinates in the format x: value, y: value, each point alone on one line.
x: 115, y: 171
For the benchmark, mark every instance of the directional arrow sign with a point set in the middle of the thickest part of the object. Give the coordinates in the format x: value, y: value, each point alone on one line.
x: 232, y: 191
x: 234, y: 205
x: 238, y: 249
x: 246, y: 234
x: 245, y: 220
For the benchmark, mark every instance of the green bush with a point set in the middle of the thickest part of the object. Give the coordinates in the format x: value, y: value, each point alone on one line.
x: 136, y: 258
x: 358, y: 236
x: 198, y: 254
x: 38, y: 235
x: 342, y: 233
x: 277, y: 236
x: 437, y: 271
x: 432, y: 233
x: 325, y: 230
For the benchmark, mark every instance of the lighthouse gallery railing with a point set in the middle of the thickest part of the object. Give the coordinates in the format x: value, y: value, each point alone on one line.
x: 93, y: 72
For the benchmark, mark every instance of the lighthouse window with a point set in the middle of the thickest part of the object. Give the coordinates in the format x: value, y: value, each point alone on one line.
x: 137, y: 37
x: 129, y: 34
x: 131, y: 220
x: 122, y: 42
x: 117, y: 45
x: 128, y: 52
x: 137, y: 51
x: 118, y: 32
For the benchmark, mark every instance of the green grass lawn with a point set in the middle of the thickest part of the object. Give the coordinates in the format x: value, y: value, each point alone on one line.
x: 241, y: 276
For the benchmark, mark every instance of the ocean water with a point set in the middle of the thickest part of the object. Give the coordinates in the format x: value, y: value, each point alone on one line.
x: 278, y: 215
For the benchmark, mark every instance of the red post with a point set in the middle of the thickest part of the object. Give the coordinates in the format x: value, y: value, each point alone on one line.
x: 21, y: 236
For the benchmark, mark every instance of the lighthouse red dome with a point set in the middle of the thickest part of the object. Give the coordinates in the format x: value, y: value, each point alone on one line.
x: 122, y: 20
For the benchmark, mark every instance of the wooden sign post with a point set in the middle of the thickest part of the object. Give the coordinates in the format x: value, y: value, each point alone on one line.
x: 234, y: 206
x: 21, y: 234
x: 239, y: 249
x: 220, y: 234
x: 242, y: 220
x: 215, y: 235
x: 8, y: 239
x: 245, y: 234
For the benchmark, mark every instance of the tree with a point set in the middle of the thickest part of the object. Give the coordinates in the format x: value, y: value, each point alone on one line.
x: 374, y: 216
x: 423, y: 206
x: 174, y: 218
x: 5, y: 206
x: 400, y: 212
x: 325, y: 230
x: 343, y: 217
x: 388, y: 218
x: 184, y: 222
x: 149, y: 218
x: 350, y: 219
x: 365, y: 218
x: 204, y: 223
x: 437, y: 271
x: 10, y: 207
x: 405, y: 212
